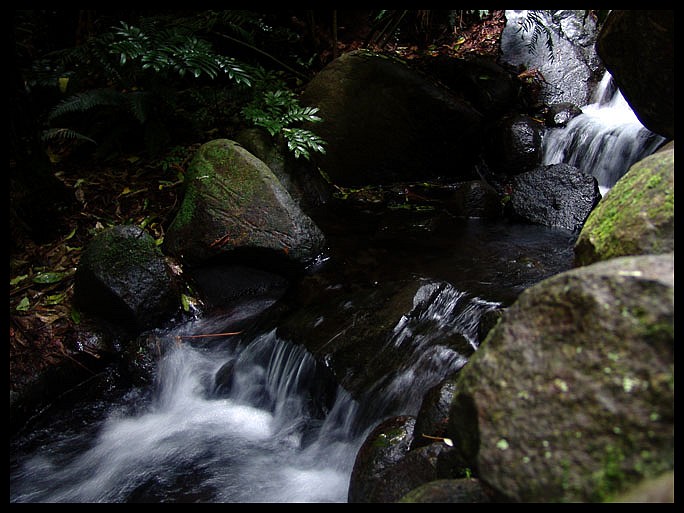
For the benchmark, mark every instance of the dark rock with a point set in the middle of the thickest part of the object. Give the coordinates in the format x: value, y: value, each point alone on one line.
x: 637, y: 47
x: 123, y: 277
x: 515, y: 145
x: 386, y: 445
x: 571, y: 396
x: 433, y: 415
x: 558, y: 195
x: 383, y: 122
x: 558, y: 114
x: 449, y: 491
x: 475, y: 199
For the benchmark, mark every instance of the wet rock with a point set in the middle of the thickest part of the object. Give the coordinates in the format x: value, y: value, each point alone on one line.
x: 558, y: 195
x: 449, y: 491
x: 433, y: 415
x: 571, y: 396
x: 123, y: 277
x: 574, y: 70
x: 515, y: 145
x: 636, y: 216
x: 386, y: 445
x: 558, y: 114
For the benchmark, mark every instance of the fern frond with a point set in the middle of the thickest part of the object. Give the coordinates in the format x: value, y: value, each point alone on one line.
x: 139, y: 104
x: 533, y: 21
x: 81, y: 102
x: 52, y: 134
x: 301, y: 142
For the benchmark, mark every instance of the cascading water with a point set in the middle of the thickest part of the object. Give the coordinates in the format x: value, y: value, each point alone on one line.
x: 604, y: 141
x: 267, y: 436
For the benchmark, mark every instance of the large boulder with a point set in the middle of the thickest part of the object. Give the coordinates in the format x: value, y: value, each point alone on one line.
x: 123, y: 277
x: 236, y: 210
x: 558, y: 195
x: 384, y: 122
x: 570, y: 398
x: 637, y: 48
x: 571, y: 69
x: 636, y: 216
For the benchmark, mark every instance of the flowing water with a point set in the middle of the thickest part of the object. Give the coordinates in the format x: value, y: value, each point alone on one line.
x: 283, y: 431
x: 604, y: 141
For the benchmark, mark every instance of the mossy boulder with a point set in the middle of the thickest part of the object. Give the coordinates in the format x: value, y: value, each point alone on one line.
x: 124, y: 278
x: 449, y: 491
x: 385, y: 122
x: 235, y: 209
x: 636, y: 217
x: 570, y: 398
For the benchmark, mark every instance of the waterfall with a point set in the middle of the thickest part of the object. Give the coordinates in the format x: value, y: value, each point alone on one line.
x: 253, y: 420
x: 186, y: 444
x: 604, y: 141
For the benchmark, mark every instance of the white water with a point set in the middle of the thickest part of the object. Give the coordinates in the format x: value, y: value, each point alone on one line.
x: 604, y: 141
x: 258, y: 441
x: 188, y: 446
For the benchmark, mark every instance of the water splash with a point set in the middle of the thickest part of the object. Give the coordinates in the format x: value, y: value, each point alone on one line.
x: 187, y: 445
x: 604, y: 141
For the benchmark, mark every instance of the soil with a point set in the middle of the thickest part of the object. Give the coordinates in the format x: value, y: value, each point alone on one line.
x: 45, y: 329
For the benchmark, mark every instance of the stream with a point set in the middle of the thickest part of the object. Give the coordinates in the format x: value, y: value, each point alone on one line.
x: 269, y: 437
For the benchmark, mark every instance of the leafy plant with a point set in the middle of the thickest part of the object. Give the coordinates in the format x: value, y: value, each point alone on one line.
x: 162, y: 76
x: 534, y: 21
x: 277, y: 111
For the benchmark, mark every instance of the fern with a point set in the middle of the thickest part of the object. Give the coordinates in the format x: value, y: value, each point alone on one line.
x: 300, y: 141
x: 63, y: 134
x: 533, y: 21
x: 87, y: 100
x: 276, y: 111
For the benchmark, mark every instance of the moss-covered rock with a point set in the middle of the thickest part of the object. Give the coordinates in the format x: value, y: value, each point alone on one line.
x: 636, y: 217
x: 123, y: 277
x: 235, y: 207
x: 449, y: 491
x: 570, y: 398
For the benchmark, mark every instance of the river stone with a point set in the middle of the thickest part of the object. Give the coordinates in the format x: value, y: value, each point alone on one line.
x: 386, y: 445
x: 637, y: 47
x: 515, y: 145
x: 235, y: 209
x: 571, y: 396
x: 636, y: 216
x: 123, y: 277
x: 434, y: 413
x: 449, y: 491
x: 558, y: 195
x: 384, y: 122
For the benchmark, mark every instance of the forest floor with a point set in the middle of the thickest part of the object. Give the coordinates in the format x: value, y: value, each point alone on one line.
x: 45, y: 329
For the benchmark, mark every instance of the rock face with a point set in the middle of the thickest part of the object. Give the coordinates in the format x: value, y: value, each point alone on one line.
x: 575, y: 68
x: 234, y: 207
x: 571, y: 396
x: 123, y: 277
x: 637, y: 47
x: 637, y: 215
x: 558, y: 195
x: 383, y: 123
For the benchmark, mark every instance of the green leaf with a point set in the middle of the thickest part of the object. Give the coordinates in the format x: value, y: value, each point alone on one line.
x: 75, y: 316
x: 23, y: 305
x: 48, y: 277
x: 55, y: 299
x: 17, y: 279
